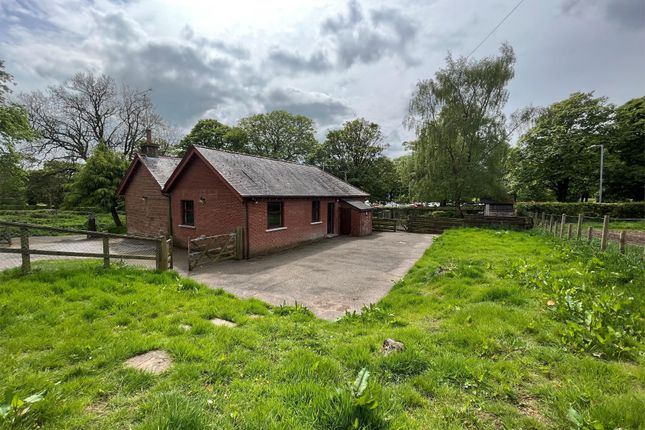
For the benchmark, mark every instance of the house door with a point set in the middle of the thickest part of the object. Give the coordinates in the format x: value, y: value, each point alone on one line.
x: 345, y: 221
x: 330, y: 218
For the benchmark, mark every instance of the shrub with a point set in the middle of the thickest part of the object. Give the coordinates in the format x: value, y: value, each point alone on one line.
x: 615, y: 210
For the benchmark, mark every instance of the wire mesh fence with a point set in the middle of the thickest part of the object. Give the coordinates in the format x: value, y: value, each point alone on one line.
x: 624, y: 235
x: 21, y: 244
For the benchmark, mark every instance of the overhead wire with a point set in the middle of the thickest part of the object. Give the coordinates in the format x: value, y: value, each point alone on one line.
x: 519, y: 3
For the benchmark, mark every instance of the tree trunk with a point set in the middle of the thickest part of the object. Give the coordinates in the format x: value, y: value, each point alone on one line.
x: 562, y: 190
x: 115, y: 216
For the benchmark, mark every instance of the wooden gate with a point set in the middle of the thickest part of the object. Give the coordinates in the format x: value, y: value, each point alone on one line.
x: 210, y: 249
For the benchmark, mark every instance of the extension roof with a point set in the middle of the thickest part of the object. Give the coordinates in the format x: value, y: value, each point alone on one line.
x: 252, y: 176
x: 358, y: 204
x: 161, y: 169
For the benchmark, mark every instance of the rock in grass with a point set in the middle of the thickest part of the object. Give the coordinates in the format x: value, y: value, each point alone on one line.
x: 225, y: 323
x: 391, y: 345
x: 156, y: 361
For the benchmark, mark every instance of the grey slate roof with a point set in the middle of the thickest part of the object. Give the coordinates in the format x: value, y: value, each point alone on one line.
x: 253, y: 176
x: 160, y: 167
x: 359, y: 204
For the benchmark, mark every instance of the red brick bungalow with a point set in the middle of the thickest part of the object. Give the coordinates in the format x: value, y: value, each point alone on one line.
x: 279, y: 204
x: 147, y: 208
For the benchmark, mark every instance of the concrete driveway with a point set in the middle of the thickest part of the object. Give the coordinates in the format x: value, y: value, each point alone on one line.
x: 329, y: 277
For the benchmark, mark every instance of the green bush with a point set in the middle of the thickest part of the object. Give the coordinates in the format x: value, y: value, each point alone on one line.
x: 614, y: 210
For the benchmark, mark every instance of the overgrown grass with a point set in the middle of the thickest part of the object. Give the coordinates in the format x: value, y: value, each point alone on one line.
x: 485, y: 347
x: 61, y: 219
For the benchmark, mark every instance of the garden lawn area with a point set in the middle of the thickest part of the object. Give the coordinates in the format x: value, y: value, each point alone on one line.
x: 619, y: 225
x: 501, y: 330
x: 59, y: 218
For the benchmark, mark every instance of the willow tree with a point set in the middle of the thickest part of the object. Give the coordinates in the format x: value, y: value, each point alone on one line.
x: 462, y: 134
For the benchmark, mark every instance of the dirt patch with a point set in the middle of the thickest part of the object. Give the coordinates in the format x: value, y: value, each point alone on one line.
x: 156, y: 361
x: 223, y: 323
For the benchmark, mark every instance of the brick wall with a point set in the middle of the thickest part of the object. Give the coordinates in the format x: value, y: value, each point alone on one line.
x: 298, y: 227
x: 146, y: 207
x: 221, y: 212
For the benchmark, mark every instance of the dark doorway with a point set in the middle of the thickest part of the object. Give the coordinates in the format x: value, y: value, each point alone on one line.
x: 330, y: 218
x: 345, y: 221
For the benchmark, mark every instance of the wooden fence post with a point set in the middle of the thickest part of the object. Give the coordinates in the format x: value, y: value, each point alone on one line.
x: 579, y: 229
x: 239, y: 243
x: 623, y: 237
x: 551, y: 223
x: 589, y: 234
x: 542, y: 220
x: 162, y: 254
x: 562, y: 223
x: 24, y: 250
x: 605, y: 233
x: 569, y: 231
x: 106, y: 252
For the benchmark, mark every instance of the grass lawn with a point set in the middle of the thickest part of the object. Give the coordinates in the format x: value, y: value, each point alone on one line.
x: 59, y: 218
x: 501, y: 330
x: 619, y: 225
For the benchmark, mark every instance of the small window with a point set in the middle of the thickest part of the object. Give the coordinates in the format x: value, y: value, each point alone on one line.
x: 187, y: 212
x: 275, y: 217
x: 315, y: 211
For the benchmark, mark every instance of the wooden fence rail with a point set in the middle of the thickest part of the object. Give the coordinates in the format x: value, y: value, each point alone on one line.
x: 558, y: 229
x: 383, y: 224
x: 162, y: 252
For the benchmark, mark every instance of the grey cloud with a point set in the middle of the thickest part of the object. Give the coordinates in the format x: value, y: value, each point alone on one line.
x: 629, y: 13
x: 341, y: 22
x: 233, y: 50
x: 354, y: 39
x: 624, y: 13
x: 323, y: 109
x: 296, y: 63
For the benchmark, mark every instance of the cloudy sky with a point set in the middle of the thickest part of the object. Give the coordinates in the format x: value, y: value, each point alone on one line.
x: 329, y: 60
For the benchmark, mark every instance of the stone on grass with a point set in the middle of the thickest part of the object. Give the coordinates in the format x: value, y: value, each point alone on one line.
x: 185, y: 327
x: 224, y: 323
x: 156, y: 361
x: 391, y: 345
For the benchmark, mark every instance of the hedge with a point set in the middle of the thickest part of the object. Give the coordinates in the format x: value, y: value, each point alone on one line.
x: 614, y: 210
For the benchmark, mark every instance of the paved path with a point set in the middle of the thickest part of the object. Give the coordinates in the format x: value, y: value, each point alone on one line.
x: 329, y: 276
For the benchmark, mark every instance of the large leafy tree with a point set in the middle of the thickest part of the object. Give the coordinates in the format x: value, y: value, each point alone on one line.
x: 14, y: 121
x: 96, y: 182
x: 213, y: 134
x: 49, y: 183
x: 462, y: 135
x: 14, y: 127
x: 555, y: 154
x: 354, y: 153
x: 13, y: 179
x: 625, y: 167
x: 280, y: 134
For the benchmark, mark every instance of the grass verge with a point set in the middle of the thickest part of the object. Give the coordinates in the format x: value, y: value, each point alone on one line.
x: 61, y: 219
x: 488, y: 344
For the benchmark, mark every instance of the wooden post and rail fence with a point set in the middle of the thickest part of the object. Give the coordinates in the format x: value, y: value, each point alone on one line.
x: 558, y: 228
x: 159, y: 249
x: 436, y: 225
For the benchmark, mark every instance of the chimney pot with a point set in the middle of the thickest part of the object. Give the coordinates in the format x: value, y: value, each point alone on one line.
x: 149, y: 149
x: 148, y: 136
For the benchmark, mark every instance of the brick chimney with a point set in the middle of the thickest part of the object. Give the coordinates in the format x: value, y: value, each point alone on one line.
x: 149, y: 149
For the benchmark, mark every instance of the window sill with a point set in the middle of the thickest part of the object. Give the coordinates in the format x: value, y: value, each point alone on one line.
x: 316, y: 223
x: 186, y: 226
x: 275, y: 229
